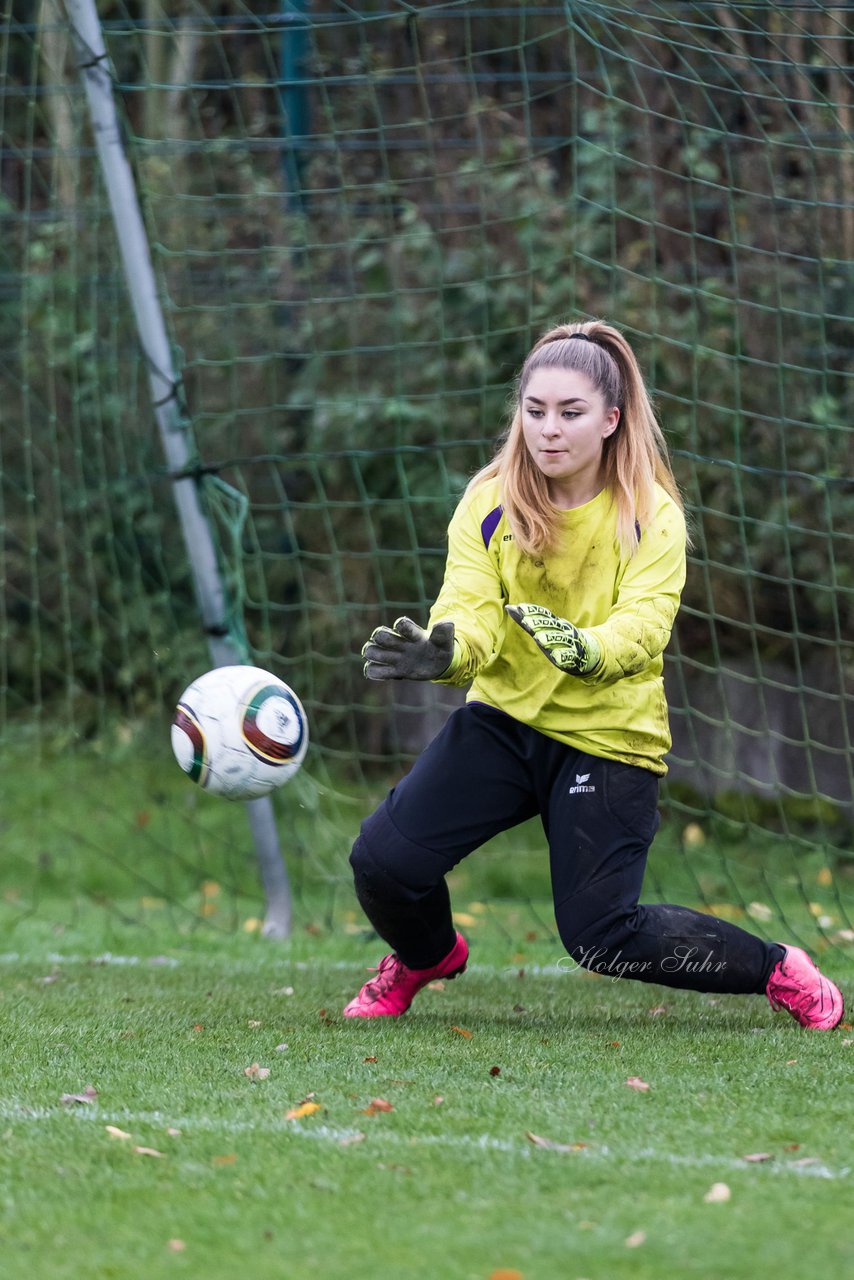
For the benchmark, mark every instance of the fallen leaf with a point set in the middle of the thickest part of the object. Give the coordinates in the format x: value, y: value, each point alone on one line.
x: 461, y: 1031
x: 148, y: 1151
x: 792, y: 1146
x: 221, y: 1161
x: 725, y: 910
x: 805, y: 1162
x: 116, y: 1133
x: 254, y: 1072
x: 173, y: 1133
x: 693, y: 835
x: 87, y: 1097
x: 304, y: 1109
x: 495, y: 1071
x: 635, y: 1082
x: 351, y: 1139
x: 198, y: 1026
x: 758, y: 1157
x: 438, y: 985
x: 253, y: 1024
x: 824, y: 877
x: 372, y: 1058
x: 177, y: 1246
x: 280, y: 1048
x: 636, y: 1239
x: 550, y: 1145
x: 657, y: 1010
x: 505, y: 1273
x: 463, y: 918
x: 376, y: 1105
x: 717, y: 1193
x: 438, y: 1100
x: 615, y: 1044
x: 252, y: 925
x: 760, y: 911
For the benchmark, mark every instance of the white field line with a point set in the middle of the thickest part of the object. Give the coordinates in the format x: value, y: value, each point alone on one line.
x: 329, y: 1133
x: 108, y: 959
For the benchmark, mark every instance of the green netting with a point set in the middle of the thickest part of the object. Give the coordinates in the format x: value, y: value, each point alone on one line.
x: 360, y: 220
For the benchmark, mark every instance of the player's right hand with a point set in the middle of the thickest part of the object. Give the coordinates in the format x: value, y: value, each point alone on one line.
x: 407, y: 652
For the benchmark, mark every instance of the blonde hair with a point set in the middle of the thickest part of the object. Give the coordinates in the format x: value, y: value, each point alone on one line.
x: 634, y: 457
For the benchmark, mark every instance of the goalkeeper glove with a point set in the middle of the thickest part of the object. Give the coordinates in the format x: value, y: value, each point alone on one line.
x: 407, y: 652
x: 570, y: 649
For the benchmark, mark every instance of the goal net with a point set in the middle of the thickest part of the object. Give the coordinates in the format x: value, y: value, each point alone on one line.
x: 361, y: 217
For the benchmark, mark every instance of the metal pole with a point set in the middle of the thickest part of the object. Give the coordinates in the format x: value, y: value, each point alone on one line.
x: 293, y: 95
x: 210, y: 593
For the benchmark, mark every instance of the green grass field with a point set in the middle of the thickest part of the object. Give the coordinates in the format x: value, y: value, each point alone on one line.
x: 137, y: 992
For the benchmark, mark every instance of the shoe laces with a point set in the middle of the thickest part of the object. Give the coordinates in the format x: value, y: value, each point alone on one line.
x: 388, y: 972
x: 792, y: 995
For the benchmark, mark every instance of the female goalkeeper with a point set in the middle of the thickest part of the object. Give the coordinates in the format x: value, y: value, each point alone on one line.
x: 566, y: 560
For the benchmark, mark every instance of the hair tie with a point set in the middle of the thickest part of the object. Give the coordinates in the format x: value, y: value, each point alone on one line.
x: 585, y: 336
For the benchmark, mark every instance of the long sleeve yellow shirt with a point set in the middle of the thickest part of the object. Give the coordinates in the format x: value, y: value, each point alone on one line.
x: 618, y: 711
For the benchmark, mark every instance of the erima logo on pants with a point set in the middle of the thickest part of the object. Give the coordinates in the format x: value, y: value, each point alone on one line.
x: 580, y: 780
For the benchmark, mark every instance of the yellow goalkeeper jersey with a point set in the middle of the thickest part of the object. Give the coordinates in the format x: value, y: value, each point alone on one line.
x: 618, y: 711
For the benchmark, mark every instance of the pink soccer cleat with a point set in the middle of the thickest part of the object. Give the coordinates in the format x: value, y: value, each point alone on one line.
x: 797, y: 986
x: 394, y: 988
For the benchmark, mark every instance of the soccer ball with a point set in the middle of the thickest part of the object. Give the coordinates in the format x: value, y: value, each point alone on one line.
x: 239, y: 732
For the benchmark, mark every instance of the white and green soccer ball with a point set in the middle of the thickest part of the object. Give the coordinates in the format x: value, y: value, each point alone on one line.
x: 239, y: 732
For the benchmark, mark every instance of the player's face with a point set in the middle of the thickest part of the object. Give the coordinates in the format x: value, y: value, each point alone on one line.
x: 565, y: 422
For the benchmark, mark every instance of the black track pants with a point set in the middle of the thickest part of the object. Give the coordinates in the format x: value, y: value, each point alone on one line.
x: 485, y: 773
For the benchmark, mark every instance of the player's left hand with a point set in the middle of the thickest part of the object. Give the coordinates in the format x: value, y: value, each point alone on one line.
x: 572, y: 650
